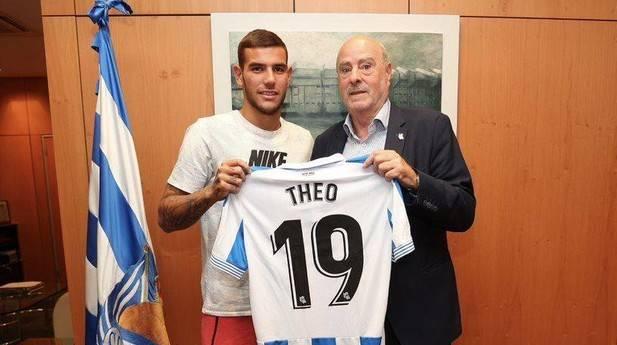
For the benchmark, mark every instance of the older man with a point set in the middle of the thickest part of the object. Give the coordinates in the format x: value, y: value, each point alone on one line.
x: 422, y: 153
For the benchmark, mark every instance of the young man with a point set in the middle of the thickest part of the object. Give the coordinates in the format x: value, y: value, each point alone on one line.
x: 215, y: 158
x: 422, y: 153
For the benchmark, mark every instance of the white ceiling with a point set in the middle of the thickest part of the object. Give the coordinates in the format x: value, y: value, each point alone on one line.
x: 22, y: 53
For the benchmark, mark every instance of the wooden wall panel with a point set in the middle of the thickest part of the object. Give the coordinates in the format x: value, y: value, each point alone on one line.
x: 24, y: 115
x: 13, y: 108
x: 72, y: 166
x: 538, y: 127
x: 612, y: 270
x: 166, y: 74
x: 197, y: 6
x: 26, y: 53
x: 24, y: 106
x: 43, y: 243
x: 350, y: 6
x: 585, y: 9
x: 52, y: 197
x: 58, y: 7
x: 37, y: 102
x: 17, y: 186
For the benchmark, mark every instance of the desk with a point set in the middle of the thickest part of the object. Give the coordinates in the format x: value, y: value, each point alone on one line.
x: 43, y: 341
x: 16, y: 303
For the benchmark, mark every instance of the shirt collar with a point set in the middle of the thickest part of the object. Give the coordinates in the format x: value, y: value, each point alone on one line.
x: 379, y: 123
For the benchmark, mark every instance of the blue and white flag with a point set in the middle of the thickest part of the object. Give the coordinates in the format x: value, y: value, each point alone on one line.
x: 122, y: 302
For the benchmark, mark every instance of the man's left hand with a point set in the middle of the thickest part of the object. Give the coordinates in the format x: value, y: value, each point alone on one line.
x: 391, y: 165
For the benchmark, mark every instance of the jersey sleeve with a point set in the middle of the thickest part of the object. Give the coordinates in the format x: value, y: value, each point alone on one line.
x: 228, y: 252
x: 402, y: 243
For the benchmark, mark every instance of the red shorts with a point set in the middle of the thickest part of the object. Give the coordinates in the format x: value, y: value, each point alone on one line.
x: 219, y: 330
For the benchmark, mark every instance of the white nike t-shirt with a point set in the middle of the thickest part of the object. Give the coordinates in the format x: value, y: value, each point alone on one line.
x: 207, y: 144
x: 317, y: 239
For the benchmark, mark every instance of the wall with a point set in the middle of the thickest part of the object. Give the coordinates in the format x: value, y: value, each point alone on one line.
x: 27, y: 61
x: 22, y: 53
x: 27, y: 181
x: 536, y: 123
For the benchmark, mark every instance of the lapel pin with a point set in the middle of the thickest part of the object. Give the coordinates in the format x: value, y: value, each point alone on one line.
x: 401, y: 136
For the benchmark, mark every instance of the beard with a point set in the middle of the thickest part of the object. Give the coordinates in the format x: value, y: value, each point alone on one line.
x: 269, y: 109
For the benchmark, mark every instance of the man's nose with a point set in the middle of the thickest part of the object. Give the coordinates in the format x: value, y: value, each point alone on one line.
x: 269, y: 77
x: 354, y: 75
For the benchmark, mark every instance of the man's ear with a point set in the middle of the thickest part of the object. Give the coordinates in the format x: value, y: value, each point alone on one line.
x: 389, y: 74
x: 290, y: 73
x: 238, y: 74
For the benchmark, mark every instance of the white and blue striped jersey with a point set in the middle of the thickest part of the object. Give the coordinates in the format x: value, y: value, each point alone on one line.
x: 317, y: 239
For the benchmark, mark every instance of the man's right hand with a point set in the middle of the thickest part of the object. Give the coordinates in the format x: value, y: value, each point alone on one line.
x: 229, y: 177
x: 179, y: 210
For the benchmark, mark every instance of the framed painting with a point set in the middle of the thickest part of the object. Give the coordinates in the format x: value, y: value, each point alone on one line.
x: 423, y: 50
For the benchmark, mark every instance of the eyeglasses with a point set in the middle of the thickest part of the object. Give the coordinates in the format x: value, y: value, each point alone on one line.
x: 366, y: 68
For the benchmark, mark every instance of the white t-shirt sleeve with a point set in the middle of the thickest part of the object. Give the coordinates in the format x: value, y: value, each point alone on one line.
x: 402, y: 243
x: 229, y: 251
x: 194, y: 167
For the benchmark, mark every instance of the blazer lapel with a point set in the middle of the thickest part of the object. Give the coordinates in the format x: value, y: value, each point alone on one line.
x: 337, y: 145
x: 397, y: 131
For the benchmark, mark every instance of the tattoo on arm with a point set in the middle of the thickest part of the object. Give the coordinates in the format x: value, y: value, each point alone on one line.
x: 179, y: 209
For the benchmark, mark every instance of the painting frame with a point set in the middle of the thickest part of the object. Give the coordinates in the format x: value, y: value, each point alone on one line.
x: 225, y: 24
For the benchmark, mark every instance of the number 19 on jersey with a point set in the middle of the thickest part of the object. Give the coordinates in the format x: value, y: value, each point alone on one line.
x: 289, y: 236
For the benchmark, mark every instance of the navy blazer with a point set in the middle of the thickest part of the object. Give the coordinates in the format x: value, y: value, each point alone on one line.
x: 423, y: 303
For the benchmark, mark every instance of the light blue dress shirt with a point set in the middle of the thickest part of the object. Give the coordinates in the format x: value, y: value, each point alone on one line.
x: 376, y: 139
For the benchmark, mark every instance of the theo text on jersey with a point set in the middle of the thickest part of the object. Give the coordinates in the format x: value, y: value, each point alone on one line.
x: 315, y: 191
